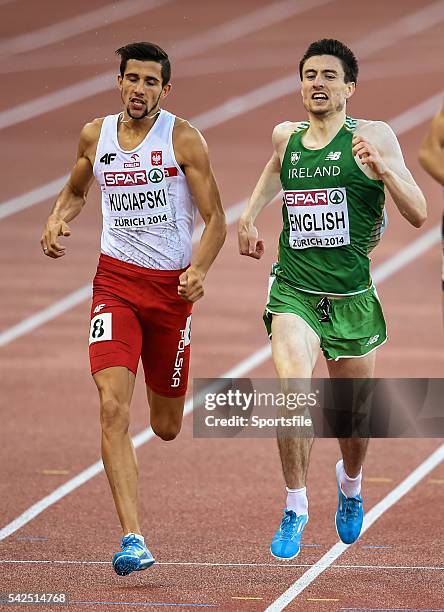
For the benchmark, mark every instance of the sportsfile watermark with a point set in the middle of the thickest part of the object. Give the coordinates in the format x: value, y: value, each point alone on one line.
x: 323, y: 407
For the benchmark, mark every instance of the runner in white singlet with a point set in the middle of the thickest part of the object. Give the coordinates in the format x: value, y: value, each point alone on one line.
x: 148, y: 209
x: 154, y: 173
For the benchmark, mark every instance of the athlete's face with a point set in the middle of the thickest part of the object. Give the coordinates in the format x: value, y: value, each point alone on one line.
x: 323, y: 89
x: 141, y: 88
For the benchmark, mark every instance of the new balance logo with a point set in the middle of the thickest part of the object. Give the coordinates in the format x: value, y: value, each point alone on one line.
x: 372, y: 340
x: 99, y: 308
x: 108, y: 158
x: 333, y: 156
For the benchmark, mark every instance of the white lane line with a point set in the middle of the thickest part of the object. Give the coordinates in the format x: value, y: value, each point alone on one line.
x: 47, y: 314
x: 376, y: 512
x: 426, y: 108
x: 408, y: 254
x: 73, y: 26
x: 401, y: 123
x: 276, y: 565
x: 427, y: 17
x: 199, y: 44
x: 30, y: 198
x: 239, y: 370
x: 268, y: 15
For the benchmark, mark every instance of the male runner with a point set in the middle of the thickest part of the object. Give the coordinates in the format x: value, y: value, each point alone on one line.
x: 431, y: 157
x: 153, y: 170
x: 333, y: 170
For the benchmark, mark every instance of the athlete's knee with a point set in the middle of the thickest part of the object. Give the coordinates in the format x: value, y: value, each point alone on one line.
x: 166, y: 430
x: 114, y: 416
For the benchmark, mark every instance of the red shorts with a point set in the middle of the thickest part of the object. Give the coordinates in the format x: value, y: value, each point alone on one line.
x: 136, y: 312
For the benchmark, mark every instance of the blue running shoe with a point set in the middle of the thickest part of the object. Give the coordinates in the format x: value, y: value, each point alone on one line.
x: 133, y: 557
x: 286, y: 542
x: 349, y: 516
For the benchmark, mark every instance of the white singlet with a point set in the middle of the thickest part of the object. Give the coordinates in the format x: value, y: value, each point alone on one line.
x: 148, y: 210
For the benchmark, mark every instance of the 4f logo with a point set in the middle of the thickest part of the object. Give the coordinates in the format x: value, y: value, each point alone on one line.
x: 156, y: 158
x: 99, y: 308
x: 295, y: 157
x: 108, y: 158
x: 333, y: 156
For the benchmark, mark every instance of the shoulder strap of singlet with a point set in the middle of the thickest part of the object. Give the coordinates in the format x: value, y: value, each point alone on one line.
x: 106, y: 134
x: 163, y: 125
x: 302, y: 125
x: 351, y: 124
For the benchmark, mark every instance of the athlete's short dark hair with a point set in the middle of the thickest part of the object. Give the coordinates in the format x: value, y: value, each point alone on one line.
x: 146, y: 52
x: 330, y: 46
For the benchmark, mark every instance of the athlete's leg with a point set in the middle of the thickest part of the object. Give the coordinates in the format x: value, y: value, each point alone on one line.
x: 353, y: 449
x: 166, y: 414
x: 350, y: 511
x: 295, y: 348
x: 115, y: 386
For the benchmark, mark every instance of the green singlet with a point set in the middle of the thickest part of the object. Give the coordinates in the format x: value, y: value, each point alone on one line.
x: 333, y: 216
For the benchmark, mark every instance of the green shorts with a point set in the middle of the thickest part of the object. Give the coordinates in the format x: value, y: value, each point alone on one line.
x: 346, y: 327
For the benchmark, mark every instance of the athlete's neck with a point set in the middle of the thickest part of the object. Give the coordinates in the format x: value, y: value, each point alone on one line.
x: 323, y: 129
x: 138, y: 126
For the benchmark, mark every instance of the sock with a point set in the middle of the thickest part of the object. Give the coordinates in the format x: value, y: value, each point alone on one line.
x: 351, y: 487
x: 138, y: 536
x: 297, y: 500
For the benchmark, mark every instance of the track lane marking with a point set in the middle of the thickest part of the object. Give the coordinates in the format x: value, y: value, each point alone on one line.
x: 79, y: 24
x: 275, y: 565
x: 195, y: 45
x: 425, y: 18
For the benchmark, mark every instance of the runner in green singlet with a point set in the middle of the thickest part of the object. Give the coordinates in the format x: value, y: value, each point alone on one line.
x: 334, y: 172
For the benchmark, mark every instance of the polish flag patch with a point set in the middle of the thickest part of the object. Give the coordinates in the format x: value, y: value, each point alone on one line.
x: 156, y: 158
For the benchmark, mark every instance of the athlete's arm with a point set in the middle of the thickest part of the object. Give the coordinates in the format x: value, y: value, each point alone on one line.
x: 431, y: 153
x: 72, y: 198
x: 377, y: 147
x: 267, y: 188
x: 192, y: 155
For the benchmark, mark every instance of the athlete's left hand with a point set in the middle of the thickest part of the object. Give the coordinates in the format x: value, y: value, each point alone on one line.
x: 369, y: 155
x: 191, y: 284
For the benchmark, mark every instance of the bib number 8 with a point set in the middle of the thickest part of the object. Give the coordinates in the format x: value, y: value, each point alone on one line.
x: 98, y: 329
x: 101, y: 328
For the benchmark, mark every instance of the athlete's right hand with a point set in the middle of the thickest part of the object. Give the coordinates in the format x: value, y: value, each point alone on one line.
x: 55, y: 227
x: 248, y: 240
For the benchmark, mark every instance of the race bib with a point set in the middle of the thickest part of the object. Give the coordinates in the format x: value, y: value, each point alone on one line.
x: 141, y: 207
x: 317, y: 217
x: 101, y: 328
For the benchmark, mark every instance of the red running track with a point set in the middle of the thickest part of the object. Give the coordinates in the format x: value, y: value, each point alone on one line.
x: 207, y: 501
